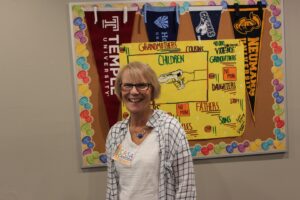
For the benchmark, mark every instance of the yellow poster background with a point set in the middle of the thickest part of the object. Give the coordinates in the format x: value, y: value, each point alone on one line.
x: 202, y: 83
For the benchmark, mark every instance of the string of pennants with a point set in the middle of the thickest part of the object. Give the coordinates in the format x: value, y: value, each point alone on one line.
x: 111, y: 27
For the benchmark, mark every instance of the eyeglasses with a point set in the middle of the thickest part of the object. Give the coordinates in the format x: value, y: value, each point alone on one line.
x: 138, y: 86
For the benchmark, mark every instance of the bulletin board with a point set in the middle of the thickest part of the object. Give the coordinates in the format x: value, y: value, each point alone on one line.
x: 224, y: 60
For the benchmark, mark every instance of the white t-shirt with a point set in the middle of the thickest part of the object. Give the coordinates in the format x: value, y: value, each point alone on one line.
x: 138, y: 168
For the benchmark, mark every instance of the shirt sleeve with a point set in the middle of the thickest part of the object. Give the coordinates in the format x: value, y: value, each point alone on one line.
x: 183, y: 169
x: 111, y: 188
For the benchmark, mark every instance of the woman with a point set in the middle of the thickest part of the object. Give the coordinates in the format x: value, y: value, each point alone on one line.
x: 148, y: 154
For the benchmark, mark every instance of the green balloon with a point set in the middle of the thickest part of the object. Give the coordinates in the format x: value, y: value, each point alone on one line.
x: 278, y: 111
x: 222, y: 145
x: 76, y: 8
x: 89, y: 132
x: 90, y: 159
x: 85, y: 126
x: 217, y: 149
x: 81, y: 13
x: 95, y: 155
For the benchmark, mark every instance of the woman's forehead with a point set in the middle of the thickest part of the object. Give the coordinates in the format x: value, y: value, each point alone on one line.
x: 133, y: 77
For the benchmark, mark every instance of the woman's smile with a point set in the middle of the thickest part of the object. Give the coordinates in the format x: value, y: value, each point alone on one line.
x: 135, y: 99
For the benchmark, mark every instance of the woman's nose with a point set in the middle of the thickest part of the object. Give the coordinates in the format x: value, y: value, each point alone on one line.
x: 134, y: 90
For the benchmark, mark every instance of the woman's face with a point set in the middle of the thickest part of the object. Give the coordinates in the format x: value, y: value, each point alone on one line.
x: 136, y: 98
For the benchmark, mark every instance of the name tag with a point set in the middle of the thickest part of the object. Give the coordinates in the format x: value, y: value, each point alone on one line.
x: 124, y: 155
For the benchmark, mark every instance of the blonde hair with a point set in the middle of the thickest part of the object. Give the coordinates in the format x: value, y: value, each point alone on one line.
x: 137, y: 71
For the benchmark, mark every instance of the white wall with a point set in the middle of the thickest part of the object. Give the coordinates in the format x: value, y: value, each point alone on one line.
x: 39, y: 145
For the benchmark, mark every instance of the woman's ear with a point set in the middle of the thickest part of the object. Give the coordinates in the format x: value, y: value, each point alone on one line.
x: 153, y: 104
x: 152, y: 93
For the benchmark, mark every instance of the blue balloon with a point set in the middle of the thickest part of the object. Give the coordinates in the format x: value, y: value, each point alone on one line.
x: 90, y: 145
x: 80, y: 61
x: 277, y: 24
x: 277, y: 131
x: 85, y: 66
x: 87, y: 106
x: 186, y: 5
x: 194, y: 153
x: 103, y: 158
x: 224, y: 4
x: 275, y: 57
x: 229, y: 149
x: 77, y: 21
x: 279, y: 99
x: 270, y: 142
x: 264, y: 2
x: 181, y: 10
x: 197, y: 147
x: 273, y: 19
x: 275, y: 94
x: 280, y: 136
x: 278, y: 62
x: 86, y: 139
x: 82, y: 26
x: 234, y: 145
x: 265, y: 146
x: 83, y: 101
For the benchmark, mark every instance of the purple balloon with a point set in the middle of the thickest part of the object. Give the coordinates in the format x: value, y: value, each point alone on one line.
x: 275, y: 82
x: 241, y: 148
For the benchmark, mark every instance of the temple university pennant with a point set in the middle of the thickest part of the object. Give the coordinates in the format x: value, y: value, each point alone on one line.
x: 161, y: 22
x: 247, y: 22
x: 205, y: 21
x: 106, y: 35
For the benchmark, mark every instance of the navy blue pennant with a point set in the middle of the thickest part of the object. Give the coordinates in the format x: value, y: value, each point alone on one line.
x: 205, y: 22
x: 161, y: 22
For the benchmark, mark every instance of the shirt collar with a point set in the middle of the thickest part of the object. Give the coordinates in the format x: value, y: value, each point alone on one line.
x: 153, y: 121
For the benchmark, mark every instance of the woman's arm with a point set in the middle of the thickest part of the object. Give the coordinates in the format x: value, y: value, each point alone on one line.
x: 111, y: 185
x: 183, y: 168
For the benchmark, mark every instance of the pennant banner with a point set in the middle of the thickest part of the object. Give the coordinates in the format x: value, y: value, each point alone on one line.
x: 247, y: 25
x: 106, y: 35
x: 206, y: 21
x: 161, y: 22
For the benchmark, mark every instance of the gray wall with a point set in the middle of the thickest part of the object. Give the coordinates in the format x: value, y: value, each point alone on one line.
x: 39, y: 145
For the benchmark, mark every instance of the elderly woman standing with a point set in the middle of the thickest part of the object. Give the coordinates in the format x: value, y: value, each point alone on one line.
x: 148, y: 153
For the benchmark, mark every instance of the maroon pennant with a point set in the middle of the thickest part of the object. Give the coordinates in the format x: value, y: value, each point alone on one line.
x: 106, y: 36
